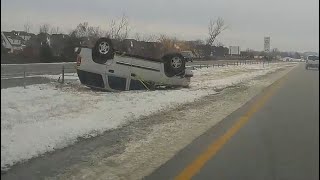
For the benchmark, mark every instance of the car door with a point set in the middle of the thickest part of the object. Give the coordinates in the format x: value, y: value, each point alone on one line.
x: 118, y: 73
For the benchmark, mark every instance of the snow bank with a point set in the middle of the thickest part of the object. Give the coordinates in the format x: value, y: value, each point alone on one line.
x: 42, y: 118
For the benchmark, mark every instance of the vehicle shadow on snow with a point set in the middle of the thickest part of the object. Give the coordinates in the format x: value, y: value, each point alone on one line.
x: 72, y: 86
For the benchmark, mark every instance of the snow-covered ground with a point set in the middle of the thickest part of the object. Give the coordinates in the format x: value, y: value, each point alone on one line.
x: 43, y: 118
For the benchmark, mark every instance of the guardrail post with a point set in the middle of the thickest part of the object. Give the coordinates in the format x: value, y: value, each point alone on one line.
x: 24, y: 77
x: 207, y: 65
x: 212, y: 65
x: 62, y: 82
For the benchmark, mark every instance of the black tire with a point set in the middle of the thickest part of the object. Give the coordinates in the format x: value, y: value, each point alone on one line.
x: 174, y: 64
x: 102, y: 51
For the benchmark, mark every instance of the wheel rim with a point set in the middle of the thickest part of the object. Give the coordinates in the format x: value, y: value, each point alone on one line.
x: 104, y: 48
x: 176, y: 62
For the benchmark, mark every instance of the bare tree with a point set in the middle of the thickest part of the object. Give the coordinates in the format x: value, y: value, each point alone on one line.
x: 27, y: 26
x: 119, y: 29
x: 55, y: 30
x: 215, y: 28
x: 219, y: 44
x: 44, y: 28
x: 81, y: 30
x: 95, y: 32
x: 150, y: 38
x: 137, y: 37
x: 84, y: 30
x: 145, y: 37
x: 168, y: 43
x: 199, y: 42
x: 84, y: 33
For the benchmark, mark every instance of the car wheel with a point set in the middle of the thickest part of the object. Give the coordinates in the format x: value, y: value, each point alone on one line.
x: 175, y: 64
x: 102, y: 51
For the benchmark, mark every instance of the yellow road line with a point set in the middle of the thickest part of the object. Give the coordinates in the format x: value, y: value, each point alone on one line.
x: 213, y: 148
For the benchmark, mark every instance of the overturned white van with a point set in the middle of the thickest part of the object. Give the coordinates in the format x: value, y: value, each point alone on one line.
x: 102, y: 67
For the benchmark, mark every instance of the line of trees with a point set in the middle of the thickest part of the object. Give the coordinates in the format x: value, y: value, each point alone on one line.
x: 118, y: 29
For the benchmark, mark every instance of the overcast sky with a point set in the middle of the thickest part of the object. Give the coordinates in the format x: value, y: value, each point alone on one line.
x: 293, y: 25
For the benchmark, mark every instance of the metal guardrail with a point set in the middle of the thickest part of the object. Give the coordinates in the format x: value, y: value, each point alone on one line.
x: 234, y: 63
x: 63, y: 69
x: 26, y: 73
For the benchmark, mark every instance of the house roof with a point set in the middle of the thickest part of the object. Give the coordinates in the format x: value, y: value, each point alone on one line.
x: 15, y: 45
x: 22, y: 33
x: 60, y: 35
x: 12, y: 35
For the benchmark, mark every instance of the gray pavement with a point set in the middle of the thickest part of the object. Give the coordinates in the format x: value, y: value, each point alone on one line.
x: 17, y: 70
x: 13, y: 75
x: 280, y: 141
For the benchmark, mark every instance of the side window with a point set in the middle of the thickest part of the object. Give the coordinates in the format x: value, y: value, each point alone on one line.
x: 117, y: 83
x: 136, y: 85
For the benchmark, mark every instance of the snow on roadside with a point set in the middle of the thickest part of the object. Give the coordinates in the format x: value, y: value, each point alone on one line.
x: 43, y: 118
x: 231, y: 75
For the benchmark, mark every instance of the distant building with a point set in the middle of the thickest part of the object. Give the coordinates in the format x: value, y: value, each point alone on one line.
x: 246, y: 54
x: 15, y: 41
x: 34, y: 43
x: 24, y: 35
x: 12, y: 42
x: 58, y: 43
x: 234, y: 50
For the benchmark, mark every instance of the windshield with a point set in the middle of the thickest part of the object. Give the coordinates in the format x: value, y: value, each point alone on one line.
x: 313, y: 58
